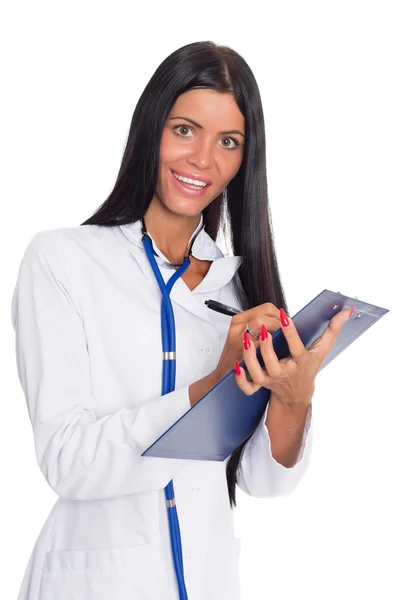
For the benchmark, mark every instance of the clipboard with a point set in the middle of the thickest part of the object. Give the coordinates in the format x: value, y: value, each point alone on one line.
x: 225, y: 417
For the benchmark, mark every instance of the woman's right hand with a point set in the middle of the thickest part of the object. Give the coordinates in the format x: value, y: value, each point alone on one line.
x: 265, y: 314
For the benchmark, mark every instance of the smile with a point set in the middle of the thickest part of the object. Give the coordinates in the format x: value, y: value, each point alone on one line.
x: 186, y: 185
x: 196, y: 182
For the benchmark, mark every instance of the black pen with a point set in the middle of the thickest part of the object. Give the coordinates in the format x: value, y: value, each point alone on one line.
x: 222, y: 308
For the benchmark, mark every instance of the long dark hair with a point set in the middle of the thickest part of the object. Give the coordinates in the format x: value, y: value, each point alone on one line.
x: 244, y: 216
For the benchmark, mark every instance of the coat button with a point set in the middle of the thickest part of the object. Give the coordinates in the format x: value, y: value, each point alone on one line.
x: 207, y: 350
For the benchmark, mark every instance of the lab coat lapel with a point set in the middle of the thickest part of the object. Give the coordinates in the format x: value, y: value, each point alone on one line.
x: 220, y: 273
x: 180, y: 292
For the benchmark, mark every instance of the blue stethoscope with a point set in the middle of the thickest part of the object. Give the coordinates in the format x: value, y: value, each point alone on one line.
x: 168, y: 385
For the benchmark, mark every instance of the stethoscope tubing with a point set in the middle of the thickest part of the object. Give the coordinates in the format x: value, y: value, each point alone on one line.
x: 168, y: 385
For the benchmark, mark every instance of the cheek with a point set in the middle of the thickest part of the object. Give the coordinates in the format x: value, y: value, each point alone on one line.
x: 170, y: 148
x: 233, y: 165
x: 164, y: 149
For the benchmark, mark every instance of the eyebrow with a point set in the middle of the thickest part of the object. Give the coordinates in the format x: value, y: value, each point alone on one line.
x: 200, y: 127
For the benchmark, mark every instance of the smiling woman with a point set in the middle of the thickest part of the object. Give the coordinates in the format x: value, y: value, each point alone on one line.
x: 88, y: 311
x: 199, y: 147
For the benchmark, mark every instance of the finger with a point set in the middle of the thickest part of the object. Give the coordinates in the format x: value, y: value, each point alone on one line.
x: 271, y: 321
x: 263, y: 311
x: 268, y: 353
x: 296, y: 346
x: 325, y: 343
x: 250, y: 358
x: 254, y: 325
x: 255, y: 334
x: 248, y: 387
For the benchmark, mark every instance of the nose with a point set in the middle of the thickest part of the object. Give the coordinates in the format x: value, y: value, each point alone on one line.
x: 201, y: 154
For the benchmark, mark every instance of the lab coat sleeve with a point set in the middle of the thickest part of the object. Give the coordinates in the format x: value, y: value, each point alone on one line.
x: 82, y: 457
x: 260, y: 475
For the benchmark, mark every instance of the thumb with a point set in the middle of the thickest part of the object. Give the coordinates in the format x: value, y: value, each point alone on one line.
x: 324, y: 344
x: 340, y: 319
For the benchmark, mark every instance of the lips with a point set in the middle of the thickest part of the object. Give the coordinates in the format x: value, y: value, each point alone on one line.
x: 192, y: 176
x: 187, y: 189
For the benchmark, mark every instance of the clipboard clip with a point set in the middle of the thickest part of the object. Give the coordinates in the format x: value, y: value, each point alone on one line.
x: 355, y: 298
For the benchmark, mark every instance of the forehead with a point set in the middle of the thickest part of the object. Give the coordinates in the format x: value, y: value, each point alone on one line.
x: 209, y: 108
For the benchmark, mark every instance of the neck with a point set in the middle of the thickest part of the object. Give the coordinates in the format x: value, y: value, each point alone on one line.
x: 171, y: 232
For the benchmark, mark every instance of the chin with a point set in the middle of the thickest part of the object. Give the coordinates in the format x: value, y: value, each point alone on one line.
x: 185, y: 208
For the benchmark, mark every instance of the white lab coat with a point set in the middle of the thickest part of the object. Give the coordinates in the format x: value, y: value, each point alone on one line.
x: 86, y: 312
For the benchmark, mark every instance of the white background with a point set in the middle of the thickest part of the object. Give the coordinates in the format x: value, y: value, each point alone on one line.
x: 329, y: 79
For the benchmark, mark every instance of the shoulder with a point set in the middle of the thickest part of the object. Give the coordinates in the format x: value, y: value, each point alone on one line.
x: 69, y: 241
x: 51, y: 239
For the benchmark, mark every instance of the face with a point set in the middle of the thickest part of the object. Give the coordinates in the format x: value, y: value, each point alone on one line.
x: 203, y: 139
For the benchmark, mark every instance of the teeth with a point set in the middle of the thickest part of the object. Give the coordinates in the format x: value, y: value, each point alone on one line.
x: 191, y: 181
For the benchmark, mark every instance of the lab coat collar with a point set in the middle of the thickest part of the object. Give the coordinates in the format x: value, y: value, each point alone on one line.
x: 220, y: 273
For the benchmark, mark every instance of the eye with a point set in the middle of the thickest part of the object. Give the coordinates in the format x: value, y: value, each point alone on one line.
x: 186, y: 127
x: 232, y: 140
x: 179, y: 127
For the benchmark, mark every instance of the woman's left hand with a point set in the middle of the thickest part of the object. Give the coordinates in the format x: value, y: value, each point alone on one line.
x: 292, y: 379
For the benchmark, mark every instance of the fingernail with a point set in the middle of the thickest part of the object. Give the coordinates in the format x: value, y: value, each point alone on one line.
x: 284, y: 319
x: 264, y: 333
x: 237, y: 368
x: 246, y: 341
x: 352, y: 310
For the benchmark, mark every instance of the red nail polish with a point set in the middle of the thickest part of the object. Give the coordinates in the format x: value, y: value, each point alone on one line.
x: 352, y: 310
x: 284, y: 319
x: 246, y: 341
x: 264, y: 333
x: 237, y: 368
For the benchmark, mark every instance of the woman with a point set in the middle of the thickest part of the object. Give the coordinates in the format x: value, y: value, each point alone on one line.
x: 86, y: 311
